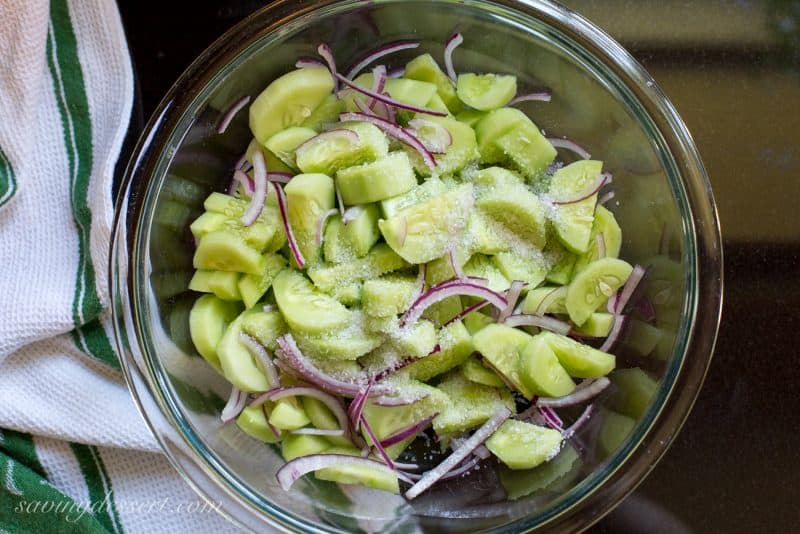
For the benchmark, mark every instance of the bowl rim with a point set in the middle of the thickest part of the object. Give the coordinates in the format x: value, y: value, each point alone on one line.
x: 639, y: 456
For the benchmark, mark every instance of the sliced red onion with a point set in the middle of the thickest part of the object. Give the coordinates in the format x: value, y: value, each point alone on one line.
x: 281, y: 177
x: 363, y: 108
x: 378, y: 53
x: 541, y: 96
x: 611, y: 305
x: 293, y: 248
x: 327, y: 54
x: 241, y: 163
x: 321, y: 224
x: 397, y: 72
x: 333, y: 404
x: 467, y: 311
x: 452, y: 43
x: 578, y: 424
x: 406, y: 466
x: 480, y: 436
x: 240, y: 177
x: 318, y: 431
x: 513, y: 296
x: 616, y: 330
x: 260, y: 194
x: 408, y: 432
x: 419, y: 287
x: 592, y: 189
x: 454, y: 264
x: 533, y: 415
x: 440, y: 138
x: 303, y: 366
x: 551, y: 418
x: 389, y: 100
x: 336, y: 133
x: 231, y: 113
x: 551, y: 297
x: 234, y: 406
x: 376, y: 443
x: 339, y: 202
x: 394, y: 131
x: 600, y: 242
x: 306, y: 62
x: 458, y: 471
x: 275, y: 430
x: 548, y: 323
x: 563, y: 142
x: 605, y: 198
x: 291, y: 471
x: 646, y: 309
x: 351, y: 213
x: 482, y: 452
x: 630, y: 286
x: 448, y: 289
x: 378, y: 82
x: 396, y: 366
x: 357, y: 406
x: 586, y: 390
x: 261, y: 354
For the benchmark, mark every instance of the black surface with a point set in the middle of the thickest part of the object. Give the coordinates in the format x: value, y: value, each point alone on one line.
x: 734, y: 467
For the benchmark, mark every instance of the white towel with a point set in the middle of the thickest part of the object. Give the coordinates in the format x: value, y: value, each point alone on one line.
x: 66, y: 90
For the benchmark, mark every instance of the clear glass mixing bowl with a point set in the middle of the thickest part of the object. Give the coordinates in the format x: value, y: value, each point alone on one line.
x: 601, y: 98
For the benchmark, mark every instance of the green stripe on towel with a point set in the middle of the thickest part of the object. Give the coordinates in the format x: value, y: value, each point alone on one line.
x: 101, y: 493
x: 8, y: 182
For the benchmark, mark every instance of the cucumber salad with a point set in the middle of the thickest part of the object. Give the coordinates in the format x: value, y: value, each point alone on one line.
x: 402, y: 257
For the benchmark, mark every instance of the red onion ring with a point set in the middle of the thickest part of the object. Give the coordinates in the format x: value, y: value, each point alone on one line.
x: 378, y: 82
x: 394, y: 131
x: 388, y: 100
x: 548, y: 323
x: 542, y: 96
x: 231, y: 113
x: 240, y: 177
x: 293, y: 248
x: 467, y: 311
x: 331, y: 402
x: 449, y: 289
x: 327, y: 54
x: 409, y: 431
x: 572, y: 146
x: 630, y: 286
x: 551, y: 297
x: 601, y: 180
x: 551, y: 418
x: 291, y: 471
x: 582, y: 420
x: 260, y: 353
x: 513, y: 296
x: 321, y: 225
x: 236, y: 403
x: 306, y: 62
x: 376, y: 443
x: 260, y: 194
x: 378, y: 53
x: 616, y: 330
x: 452, y: 43
x: 586, y: 390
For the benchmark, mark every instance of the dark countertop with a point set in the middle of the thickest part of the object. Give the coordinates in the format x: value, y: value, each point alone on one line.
x: 732, y: 69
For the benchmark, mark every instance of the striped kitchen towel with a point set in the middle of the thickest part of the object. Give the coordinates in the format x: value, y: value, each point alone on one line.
x: 75, y: 456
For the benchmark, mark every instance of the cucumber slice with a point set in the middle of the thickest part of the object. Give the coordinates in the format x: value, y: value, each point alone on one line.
x: 577, y: 359
x: 321, y: 417
x: 385, y: 178
x: 424, y: 68
x: 207, y: 222
x: 604, y: 223
x: 287, y: 414
x: 634, y: 390
x: 238, y: 365
x: 265, y: 233
x: 593, y: 286
x: 289, y: 100
x: 483, y: 267
x: 252, y: 287
x: 362, y: 232
x: 306, y: 308
x: 425, y: 191
x: 475, y: 322
x: 470, y: 116
x: 500, y: 346
x: 470, y: 404
x: 297, y: 445
x: 541, y: 371
x: 573, y: 222
x: 335, y: 247
x: 492, y: 177
x: 517, y: 267
x: 308, y: 197
x: 417, y: 340
x: 422, y: 232
x: 563, y: 267
x: 520, y: 484
x: 486, y: 92
x: 362, y: 475
x: 481, y: 237
x: 272, y: 161
x: 208, y: 320
x: 266, y: 327
x: 414, y: 92
x: 455, y: 345
x: 348, y: 294
x: 224, y: 251
x: 462, y: 151
x: 380, y: 260
x: 327, y: 155
x: 522, y: 445
x: 348, y: 344
x: 613, y: 431
x: 643, y: 338
x: 387, y: 296
x: 526, y: 149
x: 253, y: 422
x: 224, y: 285
x: 200, y: 282
x: 598, y: 324
x: 476, y: 372
x: 535, y: 297
x: 519, y: 210
x: 443, y: 311
x: 284, y: 143
x: 325, y: 114
x: 494, y: 125
x: 436, y: 103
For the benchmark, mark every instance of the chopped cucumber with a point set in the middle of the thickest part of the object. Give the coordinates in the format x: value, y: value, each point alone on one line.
x: 308, y: 197
x: 208, y: 320
x: 327, y: 155
x: 573, y: 221
x: 306, y: 308
x: 579, y: 360
x: 238, y: 365
x: 486, y: 92
x: 424, y: 68
x: 252, y: 287
x: 633, y: 391
x: 470, y: 404
x: 284, y: 143
x: 254, y: 423
x: 522, y: 445
x: 297, y: 445
x: 540, y: 370
x: 378, y: 180
x: 388, y: 295
x: 593, y: 286
x: 476, y: 372
x: 224, y: 251
x: 265, y: 327
x: 500, y: 346
x: 380, y: 260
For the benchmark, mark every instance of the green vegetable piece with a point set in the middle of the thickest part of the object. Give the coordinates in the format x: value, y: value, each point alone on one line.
x: 598, y: 324
x: 389, y: 295
x: 416, y: 340
x: 207, y: 222
x: 526, y: 149
x: 322, y: 418
x: 492, y: 177
x: 476, y: 321
x: 208, y: 320
x: 517, y: 267
x: 579, y: 360
x: 573, y: 222
x: 500, y: 346
x: 384, y: 178
x: 593, y: 286
x: 422, y: 232
x: 288, y: 414
x: 470, y: 404
x: 306, y: 308
x: 426, y: 190
x: 561, y: 271
x: 348, y: 294
x: 363, y: 475
x: 408, y: 91
x: 272, y: 161
x: 470, y: 116
x: 455, y: 346
x: 486, y: 92
x: 362, y: 232
x: 238, y: 365
x: 520, y: 484
x: 483, y: 267
x: 284, y: 143
x: 347, y: 344
x: 297, y: 445
x: 265, y: 327
x: 445, y: 310
x: 519, y: 210
x: 380, y: 260
x: 289, y: 100
x: 476, y: 372
x: 462, y: 151
x: 308, y: 197
x: 329, y: 154
x: 494, y: 125
x: 436, y: 103
x: 642, y: 337
x: 424, y: 68
x: 535, y: 297
x: 540, y: 370
x: 252, y: 287
x: 634, y: 390
x: 605, y: 224
x: 224, y: 251
x: 522, y: 445
x: 253, y: 422
x: 326, y: 113
x: 613, y: 431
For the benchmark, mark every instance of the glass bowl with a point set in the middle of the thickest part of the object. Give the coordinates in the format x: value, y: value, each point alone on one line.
x: 602, y: 98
